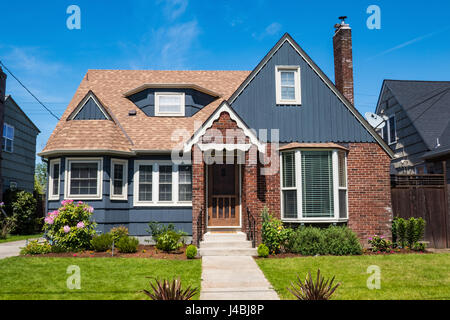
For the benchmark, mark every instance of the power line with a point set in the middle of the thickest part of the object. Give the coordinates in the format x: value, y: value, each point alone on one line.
x: 6, y: 68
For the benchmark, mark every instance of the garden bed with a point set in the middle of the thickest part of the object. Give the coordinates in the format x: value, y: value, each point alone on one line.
x: 143, y: 251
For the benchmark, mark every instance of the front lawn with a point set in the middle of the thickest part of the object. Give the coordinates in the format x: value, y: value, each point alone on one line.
x: 101, y: 278
x: 11, y: 238
x: 403, y: 276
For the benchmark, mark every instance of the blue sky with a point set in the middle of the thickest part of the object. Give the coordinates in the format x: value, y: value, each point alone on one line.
x: 413, y: 42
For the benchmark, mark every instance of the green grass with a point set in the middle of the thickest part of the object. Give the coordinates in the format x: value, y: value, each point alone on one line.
x: 11, y: 238
x: 101, y: 278
x: 403, y: 276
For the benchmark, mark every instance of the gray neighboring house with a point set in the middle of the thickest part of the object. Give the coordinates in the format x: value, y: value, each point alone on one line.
x: 418, y: 129
x: 18, y: 148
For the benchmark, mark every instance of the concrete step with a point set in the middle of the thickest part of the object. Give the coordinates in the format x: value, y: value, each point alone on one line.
x: 204, y: 252
x: 213, y: 236
x: 231, y: 244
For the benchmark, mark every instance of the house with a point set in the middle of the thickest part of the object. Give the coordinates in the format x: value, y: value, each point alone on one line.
x: 208, y: 150
x: 18, y: 156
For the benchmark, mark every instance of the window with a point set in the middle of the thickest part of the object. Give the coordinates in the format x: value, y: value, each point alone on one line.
x: 389, y: 132
x: 288, y: 89
x: 84, y: 178
x: 53, y: 181
x: 119, y: 178
x: 314, y: 185
x: 184, y: 183
x: 162, y: 183
x: 8, y: 138
x: 169, y: 104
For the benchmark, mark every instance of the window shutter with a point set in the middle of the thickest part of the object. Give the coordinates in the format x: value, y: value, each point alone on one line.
x: 317, y: 184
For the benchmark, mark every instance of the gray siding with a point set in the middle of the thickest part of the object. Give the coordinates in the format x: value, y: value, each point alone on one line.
x: 111, y: 213
x: 90, y: 111
x: 19, y: 165
x: 410, y: 146
x: 194, y: 100
x: 322, y: 117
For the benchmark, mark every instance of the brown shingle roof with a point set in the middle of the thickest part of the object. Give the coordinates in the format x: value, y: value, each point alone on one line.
x: 140, y: 132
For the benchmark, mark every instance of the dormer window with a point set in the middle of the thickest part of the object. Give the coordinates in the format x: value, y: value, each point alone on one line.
x: 169, y: 104
x: 287, y: 80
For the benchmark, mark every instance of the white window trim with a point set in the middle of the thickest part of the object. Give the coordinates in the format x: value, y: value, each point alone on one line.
x: 297, y: 79
x: 388, y: 124
x: 124, y: 195
x: 99, y: 194
x: 51, y: 196
x: 299, y: 187
x: 346, y: 185
x: 155, y: 185
x: 170, y: 114
x: 12, y: 140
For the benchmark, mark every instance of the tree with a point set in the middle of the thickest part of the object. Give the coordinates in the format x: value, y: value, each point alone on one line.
x: 41, y: 176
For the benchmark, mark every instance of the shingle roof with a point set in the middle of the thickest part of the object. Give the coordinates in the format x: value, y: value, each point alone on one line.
x: 427, y: 104
x: 139, y: 132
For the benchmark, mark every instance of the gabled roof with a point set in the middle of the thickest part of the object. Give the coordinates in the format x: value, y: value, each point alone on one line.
x: 10, y: 98
x: 137, y: 133
x: 427, y: 104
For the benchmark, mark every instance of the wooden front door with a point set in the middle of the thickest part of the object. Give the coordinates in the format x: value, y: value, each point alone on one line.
x: 223, y: 195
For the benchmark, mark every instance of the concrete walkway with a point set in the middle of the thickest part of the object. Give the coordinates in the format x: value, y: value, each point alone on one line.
x: 234, y: 278
x: 11, y: 249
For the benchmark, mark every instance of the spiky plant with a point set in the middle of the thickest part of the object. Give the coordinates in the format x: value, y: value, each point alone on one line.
x: 170, y: 290
x: 322, y: 289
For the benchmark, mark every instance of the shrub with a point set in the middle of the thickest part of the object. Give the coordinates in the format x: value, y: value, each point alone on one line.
x: 379, y: 244
x: 341, y: 241
x: 102, y: 242
x: 307, y: 241
x: 419, y: 246
x: 157, y: 229
x: 274, y: 234
x: 23, y: 213
x: 118, y: 232
x: 70, y: 226
x: 400, y: 231
x: 57, y: 249
x: 191, y: 251
x: 322, y: 289
x: 35, y: 247
x: 263, y: 251
x: 415, y: 229
x: 128, y: 244
x: 169, y: 241
x: 164, y: 290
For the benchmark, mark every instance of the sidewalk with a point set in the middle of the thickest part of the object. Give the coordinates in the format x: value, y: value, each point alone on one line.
x: 234, y: 278
x: 11, y: 249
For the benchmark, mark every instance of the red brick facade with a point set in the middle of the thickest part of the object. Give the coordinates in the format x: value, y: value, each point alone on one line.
x: 369, y: 200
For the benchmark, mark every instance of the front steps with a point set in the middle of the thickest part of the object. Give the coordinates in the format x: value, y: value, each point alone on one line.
x: 226, y: 244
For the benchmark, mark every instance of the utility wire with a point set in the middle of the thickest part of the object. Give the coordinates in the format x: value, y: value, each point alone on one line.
x: 6, y: 68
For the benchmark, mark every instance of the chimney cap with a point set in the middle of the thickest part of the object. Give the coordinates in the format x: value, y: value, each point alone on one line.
x: 343, y: 19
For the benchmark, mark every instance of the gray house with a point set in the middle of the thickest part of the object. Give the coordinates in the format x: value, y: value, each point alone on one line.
x: 18, y: 148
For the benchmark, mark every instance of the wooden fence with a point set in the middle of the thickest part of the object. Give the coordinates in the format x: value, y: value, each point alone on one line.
x: 425, y: 196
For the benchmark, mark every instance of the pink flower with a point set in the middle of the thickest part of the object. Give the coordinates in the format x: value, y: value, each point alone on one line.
x: 53, y: 214
x: 370, y: 238
x: 49, y: 220
x: 80, y: 202
x: 90, y: 209
x: 66, y: 229
x: 80, y: 225
x: 74, y: 254
x: 64, y: 202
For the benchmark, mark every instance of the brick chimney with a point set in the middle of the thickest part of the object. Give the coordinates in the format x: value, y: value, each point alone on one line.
x: 343, y: 61
x: 2, y: 119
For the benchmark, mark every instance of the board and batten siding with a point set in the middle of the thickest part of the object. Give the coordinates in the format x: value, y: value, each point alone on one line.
x: 19, y: 166
x: 321, y: 117
x: 112, y: 213
x: 90, y: 111
x: 410, y: 145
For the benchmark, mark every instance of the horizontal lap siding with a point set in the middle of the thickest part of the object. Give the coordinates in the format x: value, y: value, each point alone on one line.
x: 111, y: 213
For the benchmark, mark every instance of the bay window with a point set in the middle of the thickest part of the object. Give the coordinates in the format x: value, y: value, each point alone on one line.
x: 119, y: 169
x: 83, y: 178
x: 53, y: 181
x: 313, y: 185
x: 162, y: 183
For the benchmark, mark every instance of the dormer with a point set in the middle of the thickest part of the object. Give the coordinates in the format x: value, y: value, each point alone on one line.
x: 171, y: 100
x: 90, y: 108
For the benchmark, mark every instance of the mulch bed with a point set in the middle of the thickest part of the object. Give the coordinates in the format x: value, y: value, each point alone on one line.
x: 144, y: 251
x: 365, y: 252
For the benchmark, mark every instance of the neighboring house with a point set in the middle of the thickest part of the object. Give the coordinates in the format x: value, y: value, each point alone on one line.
x: 18, y: 148
x: 113, y: 147
x: 418, y: 125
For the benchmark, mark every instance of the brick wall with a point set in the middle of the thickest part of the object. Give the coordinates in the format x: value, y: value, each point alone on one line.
x: 343, y: 61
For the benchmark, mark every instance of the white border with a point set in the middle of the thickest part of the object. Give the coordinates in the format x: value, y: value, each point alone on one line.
x: 51, y: 164
x: 99, y: 194
x: 124, y: 195
x: 170, y: 114
x: 155, y: 185
x: 297, y: 85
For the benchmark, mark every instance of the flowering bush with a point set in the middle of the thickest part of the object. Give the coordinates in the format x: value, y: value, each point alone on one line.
x: 70, y: 227
x: 274, y: 234
x: 36, y: 247
x: 379, y: 244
